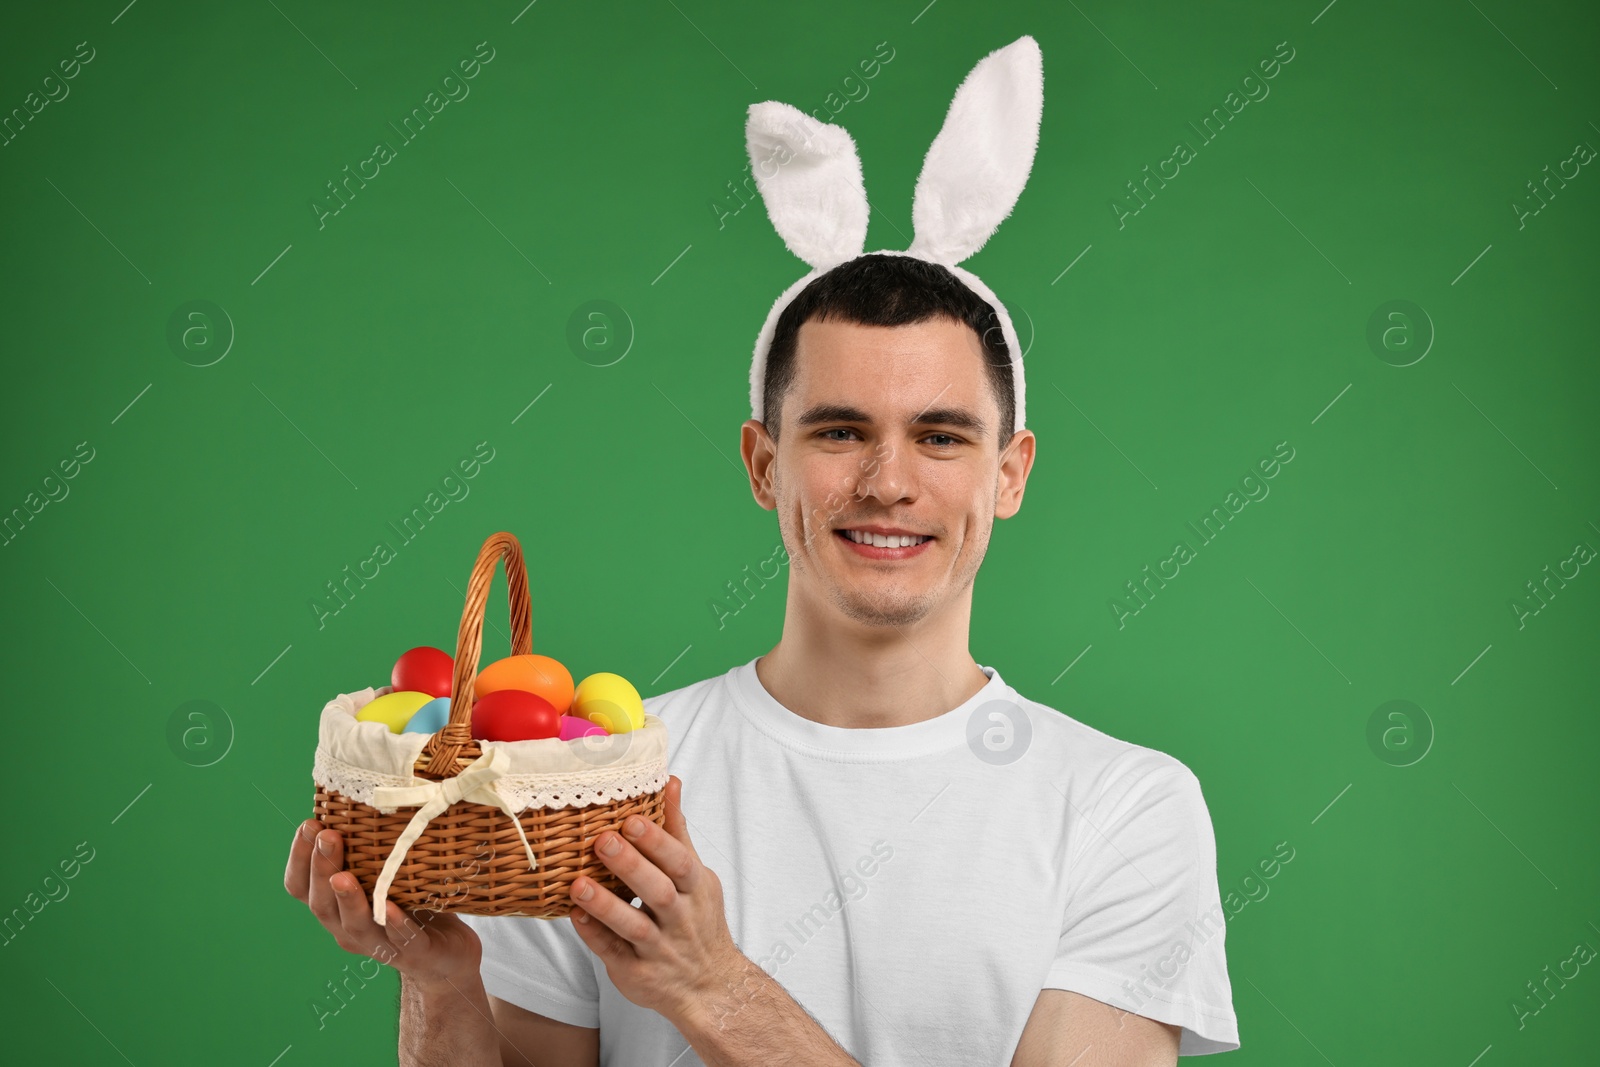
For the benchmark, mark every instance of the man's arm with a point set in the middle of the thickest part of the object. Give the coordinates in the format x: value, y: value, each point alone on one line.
x: 1070, y: 1028
x: 446, y: 1023
x: 754, y: 1022
x: 459, y: 1024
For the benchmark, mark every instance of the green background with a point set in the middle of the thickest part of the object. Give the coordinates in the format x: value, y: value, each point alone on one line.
x: 591, y: 161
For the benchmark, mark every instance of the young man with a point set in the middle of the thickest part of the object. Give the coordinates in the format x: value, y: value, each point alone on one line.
x: 885, y: 855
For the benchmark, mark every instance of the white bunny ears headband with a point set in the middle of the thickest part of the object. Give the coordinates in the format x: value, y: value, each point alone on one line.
x: 810, y: 179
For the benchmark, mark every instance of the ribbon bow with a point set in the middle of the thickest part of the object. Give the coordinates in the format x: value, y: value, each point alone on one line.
x: 475, y: 784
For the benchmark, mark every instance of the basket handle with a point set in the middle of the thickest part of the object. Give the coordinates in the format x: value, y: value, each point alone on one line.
x: 453, y: 747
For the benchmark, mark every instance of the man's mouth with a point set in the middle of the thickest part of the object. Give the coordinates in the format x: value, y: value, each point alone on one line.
x: 883, y: 541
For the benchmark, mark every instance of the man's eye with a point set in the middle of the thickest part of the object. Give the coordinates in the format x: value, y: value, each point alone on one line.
x: 950, y: 440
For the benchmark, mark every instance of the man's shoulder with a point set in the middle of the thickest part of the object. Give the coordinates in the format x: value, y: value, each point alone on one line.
x: 1096, y: 756
x: 676, y: 703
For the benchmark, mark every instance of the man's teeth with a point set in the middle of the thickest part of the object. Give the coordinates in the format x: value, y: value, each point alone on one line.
x: 881, y: 541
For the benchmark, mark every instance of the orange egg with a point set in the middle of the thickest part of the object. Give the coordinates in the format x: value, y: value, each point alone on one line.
x: 531, y: 673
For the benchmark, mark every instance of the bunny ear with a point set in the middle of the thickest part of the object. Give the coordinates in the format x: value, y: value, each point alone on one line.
x: 976, y: 168
x: 810, y: 179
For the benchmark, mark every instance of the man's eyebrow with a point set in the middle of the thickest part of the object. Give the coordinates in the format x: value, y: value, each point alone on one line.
x: 820, y: 413
x: 947, y: 416
x: 953, y: 417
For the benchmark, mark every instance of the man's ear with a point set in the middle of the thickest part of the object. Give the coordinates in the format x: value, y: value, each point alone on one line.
x: 760, y: 452
x: 1015, y: 463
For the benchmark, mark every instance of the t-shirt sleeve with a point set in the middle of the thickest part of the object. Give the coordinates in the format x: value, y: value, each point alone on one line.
x: 539, y: 964
x: 1144, y: 926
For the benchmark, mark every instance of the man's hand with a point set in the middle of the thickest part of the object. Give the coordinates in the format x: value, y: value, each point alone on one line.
x: 435, y: 952
x: 673, y: 954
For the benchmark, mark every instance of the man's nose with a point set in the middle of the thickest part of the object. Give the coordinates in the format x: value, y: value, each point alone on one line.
x: 888, y: 475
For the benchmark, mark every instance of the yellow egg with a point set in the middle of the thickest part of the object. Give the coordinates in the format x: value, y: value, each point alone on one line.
x: 610, y: 701
x: 394, y: 710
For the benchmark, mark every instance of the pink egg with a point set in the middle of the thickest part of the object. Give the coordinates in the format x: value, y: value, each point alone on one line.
x: 572, y: 727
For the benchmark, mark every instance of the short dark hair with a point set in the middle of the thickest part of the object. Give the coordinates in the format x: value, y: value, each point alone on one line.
x: 880, y: 290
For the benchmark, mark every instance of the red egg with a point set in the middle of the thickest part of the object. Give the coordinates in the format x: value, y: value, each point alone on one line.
x: 424, y: 670
x: 513, y: 715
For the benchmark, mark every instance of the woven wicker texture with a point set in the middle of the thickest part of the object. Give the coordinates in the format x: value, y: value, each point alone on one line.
x: 469, y: 858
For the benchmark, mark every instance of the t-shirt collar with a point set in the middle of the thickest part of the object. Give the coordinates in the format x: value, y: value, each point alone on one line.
x: 889, y: 742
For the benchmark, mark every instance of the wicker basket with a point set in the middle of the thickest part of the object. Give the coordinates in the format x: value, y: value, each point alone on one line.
x: 469, y: 856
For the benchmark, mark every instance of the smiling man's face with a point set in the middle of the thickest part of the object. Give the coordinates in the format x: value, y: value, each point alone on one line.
x: 895, y: 428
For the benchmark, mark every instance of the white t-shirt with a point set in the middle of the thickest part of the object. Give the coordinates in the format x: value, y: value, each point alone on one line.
x: 915, y: 887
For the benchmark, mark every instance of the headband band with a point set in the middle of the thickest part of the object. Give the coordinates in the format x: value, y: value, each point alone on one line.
x: 809, y: 177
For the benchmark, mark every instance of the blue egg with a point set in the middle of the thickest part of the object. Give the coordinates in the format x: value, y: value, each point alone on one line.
x: 430, y: 718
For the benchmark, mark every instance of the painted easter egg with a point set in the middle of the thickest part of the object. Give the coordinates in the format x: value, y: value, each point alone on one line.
x: 514, y: 715
x: 394, y: 710
x: 531, y: 673
x: 610, y: 701
x: 424, y: 670
x: 573, y: 727
x: 430, y: 718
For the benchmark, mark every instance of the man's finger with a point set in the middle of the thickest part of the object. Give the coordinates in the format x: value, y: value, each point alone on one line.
x: 327, y: 860
x: 297, y: 874
x: 671, y: 855
x: 607, y: 909
x: 355, y: 913
x: 601, y: 941
x: 676, y: 824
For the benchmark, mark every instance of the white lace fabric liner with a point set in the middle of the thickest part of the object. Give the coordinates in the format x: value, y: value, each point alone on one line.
x: 356, y: 758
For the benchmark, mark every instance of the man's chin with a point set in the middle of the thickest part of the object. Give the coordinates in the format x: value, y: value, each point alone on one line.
x: 884, y: 611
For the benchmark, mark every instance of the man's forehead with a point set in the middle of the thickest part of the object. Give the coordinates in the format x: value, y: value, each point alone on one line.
x: 932, y: 375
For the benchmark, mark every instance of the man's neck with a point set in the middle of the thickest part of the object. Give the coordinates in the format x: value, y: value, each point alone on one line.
x: 857, y: 677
